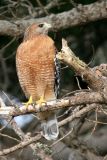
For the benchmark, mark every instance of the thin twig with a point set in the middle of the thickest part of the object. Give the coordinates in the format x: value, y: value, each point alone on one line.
x: 62, y: 138
x: 5, y: 135
x: 2, y: 128
x: 78, y: 114
x: 96, y: 119
x: 42, y: 7
x: 78, y: 83
x: 103, y: 110
x: 17, y: 129
x: 20, y: 145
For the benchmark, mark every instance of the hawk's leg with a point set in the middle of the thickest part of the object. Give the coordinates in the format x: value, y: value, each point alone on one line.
x: 30, y: 101
x: 41, y: 100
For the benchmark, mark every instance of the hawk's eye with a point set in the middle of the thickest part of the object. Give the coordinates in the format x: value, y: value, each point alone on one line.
x: 41, y: 25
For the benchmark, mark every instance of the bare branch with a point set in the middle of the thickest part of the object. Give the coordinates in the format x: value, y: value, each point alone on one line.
x: 5, y: 135
x: 38, y: 137
x: 96, y: 81
x: 17, y: 129
x: 77, y: 114
x: 42, y: 7
x: 74, y: 17
x: 62, y: 137
x: 20, y: 145
x: 80, y: 99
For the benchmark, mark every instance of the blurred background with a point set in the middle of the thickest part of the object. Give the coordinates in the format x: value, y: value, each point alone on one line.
x: 89, y: 43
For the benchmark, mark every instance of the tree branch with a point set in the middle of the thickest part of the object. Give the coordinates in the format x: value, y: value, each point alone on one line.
x: 20, y: 145
x: 94, y: 77
x: 31, y: 140
x: 79, y: 99
x: 74, y: 17
x: 96, y: 81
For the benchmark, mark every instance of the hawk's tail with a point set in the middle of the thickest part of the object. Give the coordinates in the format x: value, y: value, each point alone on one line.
x: 50, y: 128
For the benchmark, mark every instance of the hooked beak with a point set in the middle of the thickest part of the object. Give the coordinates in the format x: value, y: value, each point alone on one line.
x: 47, y: 25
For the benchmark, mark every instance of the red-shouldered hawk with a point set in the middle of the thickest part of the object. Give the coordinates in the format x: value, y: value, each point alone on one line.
x: 37, y: 70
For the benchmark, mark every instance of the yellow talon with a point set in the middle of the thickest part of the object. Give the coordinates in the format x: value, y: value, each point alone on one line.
x: 42, y: 100
x: 30, y: 101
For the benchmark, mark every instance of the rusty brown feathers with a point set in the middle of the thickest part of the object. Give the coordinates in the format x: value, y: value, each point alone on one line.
x: 35, y: 64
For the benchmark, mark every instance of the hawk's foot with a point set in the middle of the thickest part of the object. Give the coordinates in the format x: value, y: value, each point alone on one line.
x: 41, y: 101
x: 30, y: 101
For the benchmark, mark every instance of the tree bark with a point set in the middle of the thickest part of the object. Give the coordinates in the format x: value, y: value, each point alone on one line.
x: 77, y: 16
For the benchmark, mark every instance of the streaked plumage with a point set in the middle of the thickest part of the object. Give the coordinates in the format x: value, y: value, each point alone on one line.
x: 37, y: 71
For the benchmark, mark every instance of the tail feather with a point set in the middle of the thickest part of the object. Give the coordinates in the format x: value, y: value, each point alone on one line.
x: 50, y: 127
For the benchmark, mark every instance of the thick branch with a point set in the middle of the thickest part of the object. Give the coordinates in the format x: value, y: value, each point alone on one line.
x: 95, y: 79
x: 84, y: 14
x: 79, y: 99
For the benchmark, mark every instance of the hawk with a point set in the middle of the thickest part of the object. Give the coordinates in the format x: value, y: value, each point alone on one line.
x: 38, y: 73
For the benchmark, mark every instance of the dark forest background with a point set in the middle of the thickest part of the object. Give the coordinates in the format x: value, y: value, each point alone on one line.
x: 89, y: 43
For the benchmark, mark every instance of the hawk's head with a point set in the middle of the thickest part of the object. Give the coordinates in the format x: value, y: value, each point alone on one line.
x: 37, y: 29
